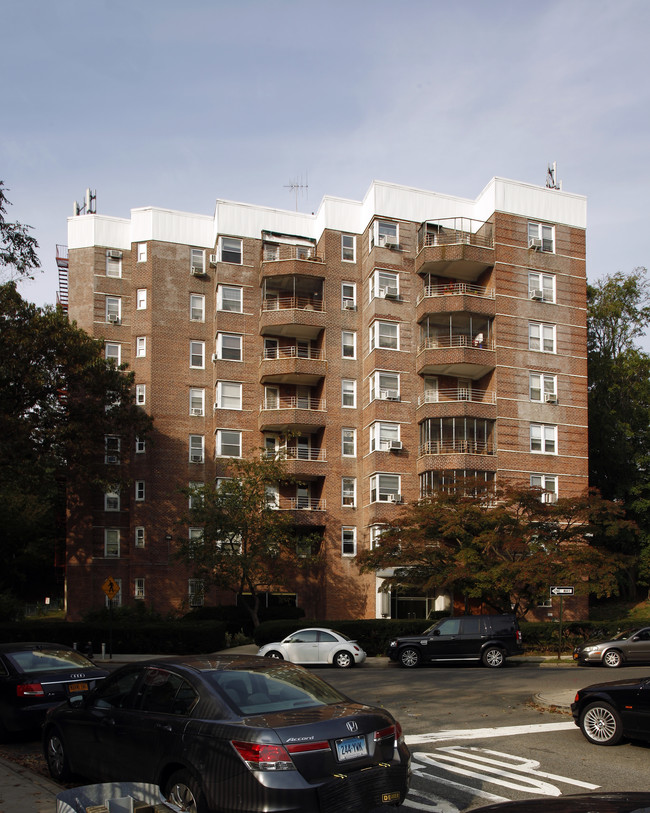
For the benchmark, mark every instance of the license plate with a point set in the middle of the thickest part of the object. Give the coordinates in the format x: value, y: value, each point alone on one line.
x: 390, y: 798
x: 73, y: 688
x: 351, y: 748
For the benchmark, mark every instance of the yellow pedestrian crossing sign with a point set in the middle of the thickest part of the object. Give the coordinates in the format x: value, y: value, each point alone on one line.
x: 111, y: 587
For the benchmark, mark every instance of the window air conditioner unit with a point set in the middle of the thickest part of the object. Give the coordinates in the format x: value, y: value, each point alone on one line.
x: 348, y: 305
x: 390, y: 241
x: 550, y: 398
x: 536, y: 293
x: 214, y: 357
x: 197, y: 271
x: 196, y: 458
x: 392, y: 395
x: 111, y: 458
x: 196, y: 411
x: 113, y: 317
x: 115, y: 255
x: 391, y: 293
x: 395, y: 445
x: 381, y: 293
x: 383, y: 395
x: 395, y: 498
x: 535, y: 243
x: 213, y: 259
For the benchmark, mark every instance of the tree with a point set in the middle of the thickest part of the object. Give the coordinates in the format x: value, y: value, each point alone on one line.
x: 17, y: 246
x: 59, y: 398
x: 505, y: 549
x: 245, y: 545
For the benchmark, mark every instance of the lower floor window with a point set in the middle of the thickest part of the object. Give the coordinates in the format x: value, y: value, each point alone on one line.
x: 349, y: 541
x: 547, y: 483
x: 112, y: 542
x: 138, y: 590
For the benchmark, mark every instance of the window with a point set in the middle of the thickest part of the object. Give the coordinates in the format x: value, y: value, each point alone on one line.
x: 112, y: 542
x: 141, y: 347
x: 111, y: 449
x: 541, y: 237
x: 195, y: 499
x: 348, y: 392
x: 197, y: 308
x: 547, y: 483
x: 113, y: 263
x: 139, y: 490
x: 141, y: 299
x: 384, y: 233
x: 349, y: 296
x: 197, y: 449
x: 384, y: 335
x: 229, y: 346
x: 229, y: 395
x: 228, y: 443
x: 384, y: 386
x: 543, y: 387
x: 113, y: 352
x: 384, y: 436
x: 113, y: 309
x: 348, y: 541
x: 349, y: 442
x: 385, y: 488
x: 541, y: 286
x: 195, y: 536
x: 375, y: 532
x: 197, y: 355
x: 231, y: 250
x: 140, y: 445
x: 349, y: 344
x: 541, y: 337
x: 140, y: 394
x: 112, y: 501
x: 349, y: 492
x: 384, y: 285
x: 142, y: 252
x: 348, y: 248
x: 197, y: 261
x: 138, y: 588
x: 197, y: 401
x: 139, y: 536
x: 195, y: 592
x: 543, y: 438
x: 230, y: 298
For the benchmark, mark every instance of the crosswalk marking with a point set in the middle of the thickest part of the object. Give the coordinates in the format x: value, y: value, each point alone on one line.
x: 484, y: 733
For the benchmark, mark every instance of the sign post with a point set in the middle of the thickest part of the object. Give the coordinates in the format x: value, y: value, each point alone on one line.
x: 111, y: 588
x: 556, y: 590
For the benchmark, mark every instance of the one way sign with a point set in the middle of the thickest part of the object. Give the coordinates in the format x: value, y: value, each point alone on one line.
x: 561, y: 591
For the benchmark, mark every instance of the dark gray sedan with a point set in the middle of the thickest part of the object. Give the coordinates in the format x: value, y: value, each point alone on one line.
x: 630, y: 646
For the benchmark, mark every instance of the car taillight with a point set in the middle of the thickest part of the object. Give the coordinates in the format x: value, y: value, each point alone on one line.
x: 260, y: 757
x: 384, y: 733
x: 518, y: 634
x: 577, y: 697
x: 29, y: 690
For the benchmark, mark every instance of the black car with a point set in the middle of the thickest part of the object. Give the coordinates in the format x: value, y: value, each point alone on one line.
x: 35, y: 676
x: 231, y: 733
x: 607, y: 712
x: 599, y: 802
x: 489, y: 639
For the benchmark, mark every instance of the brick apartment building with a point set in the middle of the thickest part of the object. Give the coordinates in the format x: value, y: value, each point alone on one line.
x: 387, y: 346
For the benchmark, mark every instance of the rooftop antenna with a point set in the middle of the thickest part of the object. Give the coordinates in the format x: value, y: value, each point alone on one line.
x: 88, y: 207
x: 298, y: 187
x: 551, y: 177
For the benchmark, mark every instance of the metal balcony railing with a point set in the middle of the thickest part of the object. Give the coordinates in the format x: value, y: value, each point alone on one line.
x: 457, y: 394
x: 295, y: 402
x: 276, y: 253
x: 298, y: 453
x: 281, y: 303
x: 454, y: 289
x: 446, y: 342
x: 455, y: 231
x: 432, y: 447
x: 293, y: 352
x: 301, y: 504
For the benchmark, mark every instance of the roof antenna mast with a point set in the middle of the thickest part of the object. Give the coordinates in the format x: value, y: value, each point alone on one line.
x: 298, y: 187
x: 551, y: 177
x: 88, y: 207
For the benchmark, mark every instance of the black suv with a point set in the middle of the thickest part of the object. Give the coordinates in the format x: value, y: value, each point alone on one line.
x: 486, y: 638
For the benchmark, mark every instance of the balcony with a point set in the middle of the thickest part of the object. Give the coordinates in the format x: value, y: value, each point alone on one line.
x: 464, y: 297
x: 305, y: 463
x: 456, y: 247
x: 299, y: 414
x: 436, y: 455
x: 293, y: 365
x: 457, y: 402
x: 291, y: 260
x: 300, y: 317
x: 456, y: 356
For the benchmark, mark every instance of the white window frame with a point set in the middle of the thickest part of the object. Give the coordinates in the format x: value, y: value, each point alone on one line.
x: 141, y: 394
x: 197, y: 401
x: 112, y: 448
x: 352, y: 440
x: 231, y: 250
x: 349, y: 296
x: 348, y: 492
x: 197, y: 308
x: 141, y: 252
x: 384, y: 484
x: 348, y: 393
x: 112, y: 543
x: 542, y: 337
x: 197, y: 449
x: 138, y: 588
x: 113, y: 264
x: 140, y: 490
x: 544, y: 436
x: 194, y: 496
x: 221, y: 436
x: 348, y: 248
x: 112, y: 500
x: 385, y: 385
x: 111, y: 355
x: 380, y: 281
x: 381, y: 435
x: 141, y: 299
x: 221, y: 300
x: 197, y: 350
x: 139, y: 539
x: 197, y: 260
x: 349, y: 347
x: 374, y: 535
x: 549, y: 485
x: 544, y: 232
x: 384, y: 231
x: 229, y: 395
x: 378, y: 336
x: 140, y: 445
x: 141, y: 347
x: 545, y: 283
x: 540, y: 385
x: 349, y: 540
x: 114, y: 308
x: 220, y: 346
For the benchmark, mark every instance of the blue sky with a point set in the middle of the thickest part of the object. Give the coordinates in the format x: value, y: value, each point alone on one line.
x: 169, y: 104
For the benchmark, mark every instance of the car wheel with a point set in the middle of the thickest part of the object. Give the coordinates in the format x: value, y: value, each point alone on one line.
x: 612, y: 658
x: 493, y: 657
x: 273, y: 653
x: 343, y: 660
x: 601, y: 724
x: 184, y: 791
x: 409, y: 657
x: 56, y: 756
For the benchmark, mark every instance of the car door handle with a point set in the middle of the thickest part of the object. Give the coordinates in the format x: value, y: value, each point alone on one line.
x: 163, y: 727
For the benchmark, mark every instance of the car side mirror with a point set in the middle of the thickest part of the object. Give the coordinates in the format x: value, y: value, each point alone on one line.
x: 635, y: 638
x: 436, y: 632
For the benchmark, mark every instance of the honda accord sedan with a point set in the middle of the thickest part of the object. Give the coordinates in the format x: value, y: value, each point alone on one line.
x: 231, y: 733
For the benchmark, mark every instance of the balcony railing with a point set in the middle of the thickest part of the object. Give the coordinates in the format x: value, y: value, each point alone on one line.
x: 292, y: 302
x: 481, y: 447
x: 457, y: 394
x: 455, y: 231
x: 296, y: 402
x: 455, y: 289
x: 301, y: 504
x: 462, y: 340
x: 274, y: 253
x: 293, y: 352
x: 313, y: 455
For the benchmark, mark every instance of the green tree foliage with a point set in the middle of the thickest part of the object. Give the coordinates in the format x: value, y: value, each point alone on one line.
x: 17, y: 246
x: 247, y: 546
x: 59, y: 398
x: 505, y: 550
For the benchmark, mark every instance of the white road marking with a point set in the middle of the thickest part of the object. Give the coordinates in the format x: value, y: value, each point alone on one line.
x: 433, y: 803
x: 483, y: 733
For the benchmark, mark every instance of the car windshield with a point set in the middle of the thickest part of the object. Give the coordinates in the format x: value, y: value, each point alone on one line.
x: 254, y: 691
x: 623, y: 636
x: 48, y: 660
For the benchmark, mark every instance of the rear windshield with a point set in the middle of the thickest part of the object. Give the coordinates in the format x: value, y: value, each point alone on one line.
x: 258, y: 692
x: 48, y: 660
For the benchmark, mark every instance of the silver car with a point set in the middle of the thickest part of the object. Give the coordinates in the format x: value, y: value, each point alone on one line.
x: 316, y: 646
x: 631, y: 646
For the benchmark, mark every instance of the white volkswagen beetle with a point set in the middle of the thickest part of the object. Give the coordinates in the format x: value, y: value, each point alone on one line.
x: 314, y: 646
